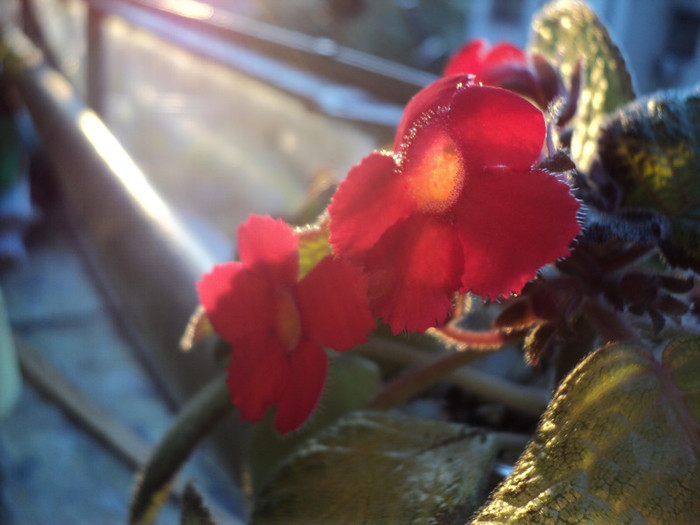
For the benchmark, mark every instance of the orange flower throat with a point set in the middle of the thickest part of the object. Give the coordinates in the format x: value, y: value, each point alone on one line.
x: 434, y: 178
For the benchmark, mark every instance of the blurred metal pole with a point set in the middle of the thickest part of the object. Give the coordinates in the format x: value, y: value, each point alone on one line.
x: 95, y: 74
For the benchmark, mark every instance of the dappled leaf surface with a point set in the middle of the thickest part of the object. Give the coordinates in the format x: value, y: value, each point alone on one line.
x: 651, y: 147
x: 379, y: 468
x: 619, y: 443
x: 565, y: 32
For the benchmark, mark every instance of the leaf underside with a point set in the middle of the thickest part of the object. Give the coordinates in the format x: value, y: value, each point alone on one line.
x: 381, y: 468
x: 619, y: 443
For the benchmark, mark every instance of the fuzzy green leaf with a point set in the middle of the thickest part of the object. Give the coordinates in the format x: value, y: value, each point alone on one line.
x: 565, y: 33
x: 378, y: 467
x: 651, y: 147
x: 619, y: 443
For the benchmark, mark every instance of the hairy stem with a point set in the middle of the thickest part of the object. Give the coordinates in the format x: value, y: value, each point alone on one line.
x: 608, y: 322
x: 476, y: 341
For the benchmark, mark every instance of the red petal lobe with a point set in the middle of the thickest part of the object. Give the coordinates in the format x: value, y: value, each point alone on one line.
x: 511, y: 224
x: 307, y: 373
x: 413, y: 271
x: 258, y: 375
x: 270, y: 246
x: 334, y: 305
x: 495, y: 127
x: 437, y: 95
x: 237, y: 301
x: 468, y: 59
x: 504, y: 53
x: 366, y: 203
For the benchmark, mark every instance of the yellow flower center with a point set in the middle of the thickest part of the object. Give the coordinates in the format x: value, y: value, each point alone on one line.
x: 434, y: 179
x: 287, y: 319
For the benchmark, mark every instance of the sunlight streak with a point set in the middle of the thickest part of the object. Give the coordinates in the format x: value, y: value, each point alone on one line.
x: 187, y: 8
x: 135, y: 182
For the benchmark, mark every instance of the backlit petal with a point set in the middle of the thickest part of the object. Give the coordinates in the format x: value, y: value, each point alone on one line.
x: 334, y: 305
x: 307, y: 377
x: 511, y: 224
x: 495, y: 127
x: 468, y: 59
x: 438, y: 94
x: 504, y: 53
x: 237, y: 301
x: 518, y: 78
x: 366, y: 203
x: 477, y: 56
x: 413, y: 271
x: 258, y: 375
x: 269, y: 246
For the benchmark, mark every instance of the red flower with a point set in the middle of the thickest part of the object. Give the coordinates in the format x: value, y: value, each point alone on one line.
x: 477, y: 57
x: 278, y: 323
x: 507, y: 66
x: 458, y: 207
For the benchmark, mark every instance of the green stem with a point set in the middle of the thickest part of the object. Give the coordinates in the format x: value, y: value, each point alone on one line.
x: 424, y: 372
x: 192, y: 424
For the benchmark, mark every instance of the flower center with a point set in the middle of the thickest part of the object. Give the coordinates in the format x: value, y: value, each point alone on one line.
x: 433, y: 169
x: 287, y: 319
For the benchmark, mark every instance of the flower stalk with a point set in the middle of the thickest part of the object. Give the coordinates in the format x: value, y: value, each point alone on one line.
x: 424, y: 371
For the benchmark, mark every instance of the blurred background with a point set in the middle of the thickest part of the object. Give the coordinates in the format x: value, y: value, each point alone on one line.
x: 224, y: 118
x: 223, y: 108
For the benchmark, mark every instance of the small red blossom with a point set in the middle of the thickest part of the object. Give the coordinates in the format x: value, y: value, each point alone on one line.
x: 507, y: 66
x: 278, y: 323
x: 477, y: 57
x: 457, y: 207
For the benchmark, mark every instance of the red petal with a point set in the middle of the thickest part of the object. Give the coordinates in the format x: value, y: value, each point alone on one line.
x: 334, y: 305
x: 518, y: 78
x: 258, y: 375
x: 366, y: 203
x: 511, y: 224
x: 495, y: 127
x: 307, y: 377
x: 504, y: 53
x: 476, y: 57
x: 271, y: 247
x: 238, y: 301
x: 437, y: 95
x: 413, y: 271
x: 468, y: 59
